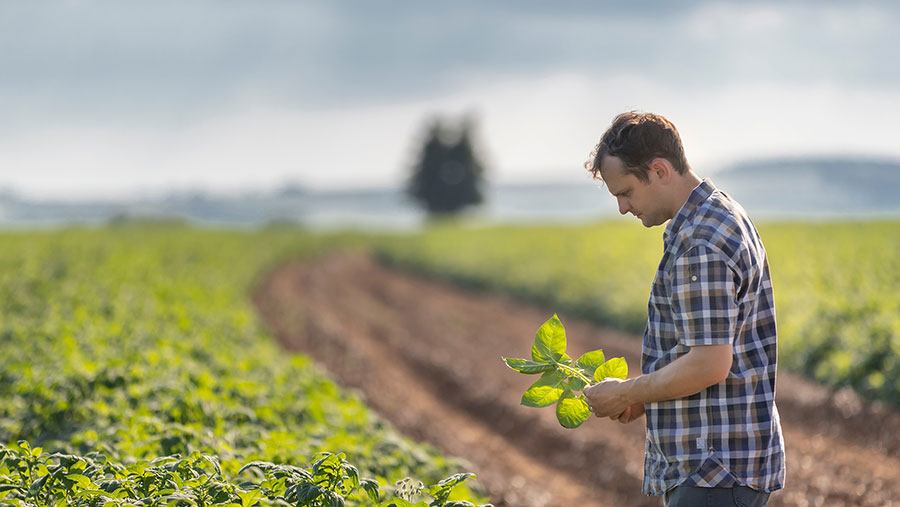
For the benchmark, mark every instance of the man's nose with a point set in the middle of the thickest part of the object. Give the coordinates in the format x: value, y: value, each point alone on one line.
x: 624, y: 206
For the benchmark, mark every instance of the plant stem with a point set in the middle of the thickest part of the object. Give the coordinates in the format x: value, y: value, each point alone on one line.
x: 574, y: 372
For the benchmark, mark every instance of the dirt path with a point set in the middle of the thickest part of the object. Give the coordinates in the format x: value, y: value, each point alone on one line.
x: 427, y: 357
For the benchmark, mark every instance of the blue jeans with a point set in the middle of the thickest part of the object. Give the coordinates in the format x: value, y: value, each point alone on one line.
x: 692, y: 496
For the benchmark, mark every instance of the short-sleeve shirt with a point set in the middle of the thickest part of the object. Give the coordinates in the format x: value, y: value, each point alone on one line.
x: 713, y: 287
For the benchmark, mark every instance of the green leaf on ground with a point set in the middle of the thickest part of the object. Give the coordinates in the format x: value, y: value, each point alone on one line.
x: 81, y: 480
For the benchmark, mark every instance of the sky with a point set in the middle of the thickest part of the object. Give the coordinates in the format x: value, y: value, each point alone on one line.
x: 122, y: 98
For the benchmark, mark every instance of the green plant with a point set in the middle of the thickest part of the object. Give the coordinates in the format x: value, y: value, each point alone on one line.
x: 560, y: 377
x: 29, y: 477
x: 137, y: 342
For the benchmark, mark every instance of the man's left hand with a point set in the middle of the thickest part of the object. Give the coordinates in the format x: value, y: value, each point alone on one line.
x: 608, y: 398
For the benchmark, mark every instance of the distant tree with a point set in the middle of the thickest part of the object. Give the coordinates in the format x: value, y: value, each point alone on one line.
x: 448, y: 174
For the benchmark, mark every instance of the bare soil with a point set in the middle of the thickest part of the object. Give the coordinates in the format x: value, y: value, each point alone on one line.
x: 427, y: 358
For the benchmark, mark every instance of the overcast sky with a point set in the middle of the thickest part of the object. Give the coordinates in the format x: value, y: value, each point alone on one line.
x: 119, y: 97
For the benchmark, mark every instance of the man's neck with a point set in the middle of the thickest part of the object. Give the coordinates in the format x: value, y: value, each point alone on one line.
x: 685, y: 185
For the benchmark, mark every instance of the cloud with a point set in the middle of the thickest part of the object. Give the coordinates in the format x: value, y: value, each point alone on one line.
x: 123, y: 56
x: 124, y: 94
x: 530, y: 130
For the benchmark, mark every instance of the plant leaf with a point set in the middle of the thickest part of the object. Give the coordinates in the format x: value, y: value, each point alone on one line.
x: 527, y: 367
x: 371, y: 488
x: 614, y: 368
x: 249, y: 498
x: 396, y: 502
x: 572, y: 410
x: 82, y: 481
x: 576, y: 384
x: 545, y: 391
x: 549, y: 342
x: 590, y: 361
x: 441, y: 490
x: 37, y: 485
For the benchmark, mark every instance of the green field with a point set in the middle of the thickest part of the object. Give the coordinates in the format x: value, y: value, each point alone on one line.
x: 122, y: 345
x: 836, y: 284
x: 135, y: 368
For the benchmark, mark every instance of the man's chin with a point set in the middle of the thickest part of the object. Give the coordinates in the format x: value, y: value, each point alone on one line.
x: 648, y: 223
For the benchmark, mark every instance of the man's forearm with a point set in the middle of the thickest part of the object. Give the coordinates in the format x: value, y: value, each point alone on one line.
x: 691, y: 373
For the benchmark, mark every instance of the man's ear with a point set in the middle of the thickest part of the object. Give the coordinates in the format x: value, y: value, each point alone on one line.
x: 662, y: 169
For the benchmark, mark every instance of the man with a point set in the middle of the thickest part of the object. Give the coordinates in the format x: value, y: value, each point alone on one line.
x: 709, y: 350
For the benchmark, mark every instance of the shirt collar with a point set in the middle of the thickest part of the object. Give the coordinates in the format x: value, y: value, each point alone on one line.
x: 699, y: 195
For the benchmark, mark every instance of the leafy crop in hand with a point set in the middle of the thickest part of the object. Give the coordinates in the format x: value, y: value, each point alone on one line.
x: 561, y: 378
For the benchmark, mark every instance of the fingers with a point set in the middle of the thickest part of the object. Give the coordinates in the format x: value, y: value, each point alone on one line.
x: 623, y: 417
x: 594, y: 411
x: 626, y: 416
x: 633, y: 413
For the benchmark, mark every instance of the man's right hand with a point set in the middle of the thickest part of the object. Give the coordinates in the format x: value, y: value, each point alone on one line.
x: 630, y: 414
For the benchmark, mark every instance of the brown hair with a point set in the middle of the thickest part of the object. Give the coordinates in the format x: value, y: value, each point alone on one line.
x: 637, y: 138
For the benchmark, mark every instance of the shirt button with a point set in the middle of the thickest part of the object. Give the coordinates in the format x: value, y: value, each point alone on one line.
x: 694, y: 278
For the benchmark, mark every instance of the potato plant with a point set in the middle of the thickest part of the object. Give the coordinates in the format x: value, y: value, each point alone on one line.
x: 29, y: 477
x: 137, y: 342
x: 561, y: 378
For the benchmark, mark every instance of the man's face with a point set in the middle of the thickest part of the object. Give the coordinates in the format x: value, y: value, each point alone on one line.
x: 642, y: 200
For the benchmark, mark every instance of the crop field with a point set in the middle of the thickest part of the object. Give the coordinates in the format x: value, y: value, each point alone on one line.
x: 836, y: 284
x: 133, y: 371
x: 136, y: 370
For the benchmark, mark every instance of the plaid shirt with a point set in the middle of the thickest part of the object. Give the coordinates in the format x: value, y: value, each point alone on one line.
x: 712, y: 287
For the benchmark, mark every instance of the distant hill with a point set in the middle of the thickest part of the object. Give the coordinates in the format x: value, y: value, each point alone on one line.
x: 814, y: 186
x: 770, y: 189
x: 293, y: 204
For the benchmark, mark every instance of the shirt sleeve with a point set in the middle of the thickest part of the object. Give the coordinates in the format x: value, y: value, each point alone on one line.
x: 704, y: 301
